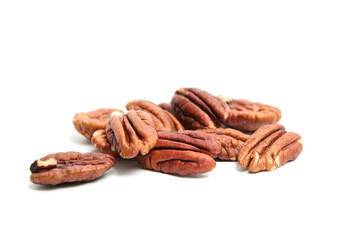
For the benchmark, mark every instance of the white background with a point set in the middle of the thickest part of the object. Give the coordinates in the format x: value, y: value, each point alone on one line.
x: 58, y: 58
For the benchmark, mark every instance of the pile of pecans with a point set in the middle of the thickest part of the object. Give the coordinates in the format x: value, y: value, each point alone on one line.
x: 185, y: 137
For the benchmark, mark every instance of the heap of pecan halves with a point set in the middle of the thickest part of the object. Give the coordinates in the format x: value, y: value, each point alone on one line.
x: 185, y: 137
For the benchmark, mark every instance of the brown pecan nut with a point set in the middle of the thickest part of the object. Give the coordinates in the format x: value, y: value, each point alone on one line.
x: 100, y: 141
x: 231, y: 141
x: 64, y: 167
x: 164, y: 121
x: 197, y: 109
x: 132, y: 133
x: 249, y: 116
x: 269, y: 147
x: 183, y: 153
x: 87, y: 123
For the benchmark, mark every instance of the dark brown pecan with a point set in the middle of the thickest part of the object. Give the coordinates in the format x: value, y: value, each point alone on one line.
x: 164, y: 121
x: 87, y: 123
x: 231, y: 141
x: 183, y: 153
x: 100, y: 141
x: 197, y: 109
x: 249, y: 116
x: 132, y: 133
x: 269, y: 147
x: 64, y: 167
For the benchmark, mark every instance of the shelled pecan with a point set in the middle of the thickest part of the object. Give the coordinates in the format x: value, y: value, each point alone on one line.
x: 231, y: 141
x: 164, y: 121
x: 87, y: 123
x: 269, y: 148
x: 183, y: 153
x: 131, y: 133
x: 64, y: 167
x: 197, y: 109
x: 249, y: 116
x: 100, y: 141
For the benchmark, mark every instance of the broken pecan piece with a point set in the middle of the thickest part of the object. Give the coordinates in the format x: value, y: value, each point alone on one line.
x: 197, y: 109
x: 64, y: 167
x: 87, y: 123
x: 249, y: 116
x: 231, y: 141
x: 131, y: 133
x: 183, y: 153
x: 269, y: 147
x: 164, y: 121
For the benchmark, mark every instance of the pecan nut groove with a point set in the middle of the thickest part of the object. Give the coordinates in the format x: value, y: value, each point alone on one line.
x: 269, y: 148
x: 183, y: 153
x: 87, y: 123
x: 65, y: 167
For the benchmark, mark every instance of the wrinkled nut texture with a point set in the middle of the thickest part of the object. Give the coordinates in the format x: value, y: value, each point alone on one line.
x: 87, y: 123
x: 269, y: 148
x: 231, y: 141
x: 183, y: 153
x: 132, y: 133
x: 198, y: 109
x: 100, y: 141
x: 64, y: 167
x: 249, y: 116
x: 164, y: 121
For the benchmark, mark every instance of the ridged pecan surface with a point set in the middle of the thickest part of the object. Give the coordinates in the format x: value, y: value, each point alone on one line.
x: 183, y: 153
x: 131, y: 133
x: 64, y: 167
x: 164, y: 121
x: 269, y: 148
x: 231, y: 141
x: 87, y: 123
x: 197, y: 109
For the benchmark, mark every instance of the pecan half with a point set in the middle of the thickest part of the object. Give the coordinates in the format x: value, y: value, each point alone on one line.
x: 183, y: 153
x: 87, y: 123
x: 197, y: 109
x: 269, y: 148
x: 100, y: 141
x: 132, y: 133
x: 249, y: 116
x: 231, y: 141
x: 164, y: 121
x: 64, y: 167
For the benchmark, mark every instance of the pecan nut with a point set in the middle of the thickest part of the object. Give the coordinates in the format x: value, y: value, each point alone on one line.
x: 87, y: 123
x: 249, y: 116
x: 269, y: 148
x: 197, y: 109
x: 164, y: 121
x: 231, y: 141
x: 64, y: 167
x: 100, y: 141
x: 131, y: 133
x: 183, y: 153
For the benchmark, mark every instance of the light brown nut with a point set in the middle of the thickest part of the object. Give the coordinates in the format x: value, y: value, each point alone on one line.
x: 198, y: 109
x: 183, y: 153
x: 164, y: 121
x: 65, y: 167
x: 87, y: 123
x: 100, y: 141
x: 269, y: 148
x: 231, y: 141
x: 249, y: 116
x: 132, y: 133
